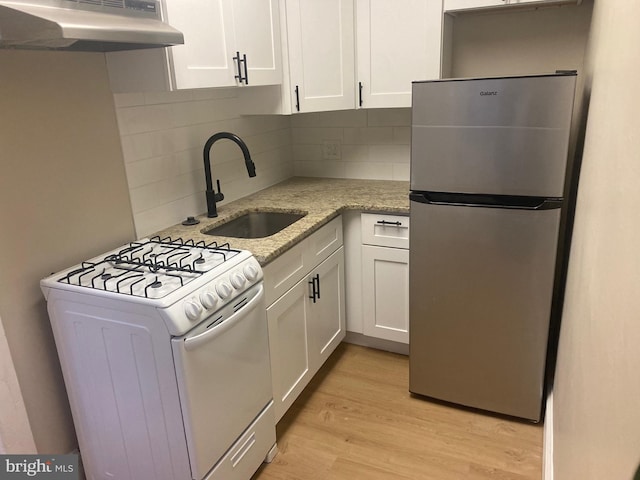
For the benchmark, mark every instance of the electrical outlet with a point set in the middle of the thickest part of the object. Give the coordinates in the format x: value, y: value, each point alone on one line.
x: 331, y: 150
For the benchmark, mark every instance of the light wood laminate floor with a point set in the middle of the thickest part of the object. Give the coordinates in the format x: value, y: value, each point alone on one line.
x: 356, y: 420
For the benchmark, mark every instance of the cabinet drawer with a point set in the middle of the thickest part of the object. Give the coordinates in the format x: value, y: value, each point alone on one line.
x: 245, y: 456
x: 284, y: 272
x: 385, y: 230
x: 289, y: 268
x: 324, y: 242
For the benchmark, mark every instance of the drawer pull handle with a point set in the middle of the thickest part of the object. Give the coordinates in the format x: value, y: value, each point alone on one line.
x: 384, y: 222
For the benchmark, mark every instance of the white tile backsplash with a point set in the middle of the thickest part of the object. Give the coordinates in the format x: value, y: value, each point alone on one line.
x: 389, y: 117
x: 355, y: 153
x: 343, y: 118
x: 389, y: 153
x: 374, y: 144
x: 315, y: 135
x: 163, y: 135
x: 368, y: 135
x: 369, y: 171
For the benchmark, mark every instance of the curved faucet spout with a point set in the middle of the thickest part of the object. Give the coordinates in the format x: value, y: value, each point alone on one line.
x: 212, y: 196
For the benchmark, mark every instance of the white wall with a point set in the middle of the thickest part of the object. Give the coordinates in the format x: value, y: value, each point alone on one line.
x: 597, y: 389
x: 518, y: 42
x: 374, y: 144
x: 521, y: 42
x: 15, y: 431
x: 163, y: 135
x: 63, y: 199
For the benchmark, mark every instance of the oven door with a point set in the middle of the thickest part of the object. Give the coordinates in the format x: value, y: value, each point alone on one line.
x: 224, y: 378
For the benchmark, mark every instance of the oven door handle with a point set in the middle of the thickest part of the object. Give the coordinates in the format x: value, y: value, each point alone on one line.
x: 194, y: 342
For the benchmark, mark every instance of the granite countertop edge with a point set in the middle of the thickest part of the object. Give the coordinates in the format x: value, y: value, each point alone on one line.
x: 322, y: 199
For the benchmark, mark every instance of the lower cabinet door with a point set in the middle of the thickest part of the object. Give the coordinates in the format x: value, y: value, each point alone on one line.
x: 385, y: 293
x: 306, y: 325
x: 327, y: 325
x: 288, y: 333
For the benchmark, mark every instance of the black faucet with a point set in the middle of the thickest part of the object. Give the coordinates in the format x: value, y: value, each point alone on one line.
x: 212, y: 196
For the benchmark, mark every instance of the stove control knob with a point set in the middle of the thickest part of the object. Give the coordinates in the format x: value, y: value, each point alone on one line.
x: 224, y: 290
x: 251, y: 272
x: 208, y: 299
x: 237, y: 280
x: 192, y: 309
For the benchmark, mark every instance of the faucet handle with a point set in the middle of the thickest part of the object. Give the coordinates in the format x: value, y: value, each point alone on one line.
x: 219, y: 196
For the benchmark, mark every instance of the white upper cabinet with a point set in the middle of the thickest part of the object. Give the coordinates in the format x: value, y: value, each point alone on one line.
x: 206, y: 58
x: 461, y: 5
x: 397, y: 42
x: 226, y: 43
x: 257, y: 35
x: 320, y: 40
x: 450, y: 5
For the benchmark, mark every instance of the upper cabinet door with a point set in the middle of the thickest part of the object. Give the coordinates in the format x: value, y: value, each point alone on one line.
x: 206, y: 58
x: 215, y: 31
x: 321, y: 54
x: 257, y: 35
x: 461, y: 5
x: 397, y: 42
x: 470, y: 4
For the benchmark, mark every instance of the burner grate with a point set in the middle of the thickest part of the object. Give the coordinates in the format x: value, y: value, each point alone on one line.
x: 150, y: 268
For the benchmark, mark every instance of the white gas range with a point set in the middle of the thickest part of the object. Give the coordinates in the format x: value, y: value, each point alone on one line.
x: 164, y: 349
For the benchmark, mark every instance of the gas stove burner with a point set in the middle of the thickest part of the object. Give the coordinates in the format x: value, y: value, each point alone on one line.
x: 151, y: 268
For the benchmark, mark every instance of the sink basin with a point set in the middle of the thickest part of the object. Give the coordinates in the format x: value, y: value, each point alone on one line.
x: 255, y: 224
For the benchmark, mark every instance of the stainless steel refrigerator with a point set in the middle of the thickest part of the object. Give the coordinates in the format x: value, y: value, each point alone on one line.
x: 489, y: 186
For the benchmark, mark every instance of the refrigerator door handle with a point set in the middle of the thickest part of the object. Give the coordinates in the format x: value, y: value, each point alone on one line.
x: 487, y: 201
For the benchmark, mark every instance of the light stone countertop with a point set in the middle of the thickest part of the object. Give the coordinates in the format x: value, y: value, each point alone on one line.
x: 322, y: 198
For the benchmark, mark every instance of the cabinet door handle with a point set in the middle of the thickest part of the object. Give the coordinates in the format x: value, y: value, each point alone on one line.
x: 239, y: 61
x: 236, y: 60
x: 297, y: 98
x: 360, y: 93
x: 246, y: 73
x: 384, y: 222
x: 315, y: 287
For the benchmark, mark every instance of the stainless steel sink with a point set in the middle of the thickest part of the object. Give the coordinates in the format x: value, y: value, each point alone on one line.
x: 255, y: 224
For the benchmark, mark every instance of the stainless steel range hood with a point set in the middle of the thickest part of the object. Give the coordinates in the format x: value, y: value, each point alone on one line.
x: 85, y: 25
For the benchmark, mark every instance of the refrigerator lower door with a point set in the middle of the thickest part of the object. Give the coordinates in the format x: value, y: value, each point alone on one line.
x: 481, y: 285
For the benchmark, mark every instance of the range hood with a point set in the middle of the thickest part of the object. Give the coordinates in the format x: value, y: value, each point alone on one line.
x: 85, y: 25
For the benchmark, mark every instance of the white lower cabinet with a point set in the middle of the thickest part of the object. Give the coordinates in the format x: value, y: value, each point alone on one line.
x: 385, y: 292
x: 385, y: 277
x: 289, y: 347
x: 307, y: 322
x: 327, y: 313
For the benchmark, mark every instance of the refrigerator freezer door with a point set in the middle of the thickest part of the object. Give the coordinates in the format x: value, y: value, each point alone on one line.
x: 481, y: 285
x: 496, y: 136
